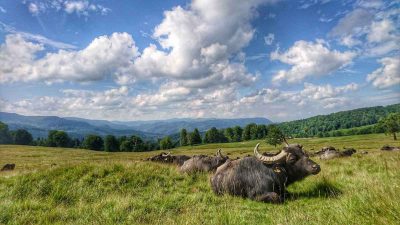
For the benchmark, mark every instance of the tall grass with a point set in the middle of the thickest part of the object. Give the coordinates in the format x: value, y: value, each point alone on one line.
x: 86, y: 187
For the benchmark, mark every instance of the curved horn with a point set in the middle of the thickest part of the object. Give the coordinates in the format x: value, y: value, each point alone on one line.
x: 218, y: 153
x: 168, y: 154
x: 269, y: 159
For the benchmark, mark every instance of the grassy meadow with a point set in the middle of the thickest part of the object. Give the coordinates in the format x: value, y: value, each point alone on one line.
x: 70, y: 186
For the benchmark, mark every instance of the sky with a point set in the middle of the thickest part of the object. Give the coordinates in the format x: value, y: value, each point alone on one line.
x: 146, y: 60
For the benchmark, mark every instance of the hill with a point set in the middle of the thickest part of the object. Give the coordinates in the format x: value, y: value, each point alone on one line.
x: 321, y: 125
x: 39, y: 126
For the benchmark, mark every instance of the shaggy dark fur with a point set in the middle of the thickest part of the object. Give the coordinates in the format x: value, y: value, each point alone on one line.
x: 167, y: 158
x: 8, y: 167
x: 203, y: 163
x: 251, y: 178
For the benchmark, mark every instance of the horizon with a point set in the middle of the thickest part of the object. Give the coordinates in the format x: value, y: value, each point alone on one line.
x: 141, y: 61
x: 202, y: 118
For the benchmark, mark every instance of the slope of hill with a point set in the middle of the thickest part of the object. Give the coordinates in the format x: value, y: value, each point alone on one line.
x: 341, y: 120
x: 79, y: 127
x: 39, y: 126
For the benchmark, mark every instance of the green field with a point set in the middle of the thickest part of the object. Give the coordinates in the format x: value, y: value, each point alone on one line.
x: 69, y: 186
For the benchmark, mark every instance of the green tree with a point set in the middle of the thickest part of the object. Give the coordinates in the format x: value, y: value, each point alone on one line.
x: 275, y: 136
x: 195, y: 137
x: 22, y: 137
x: 111, y: 144
x: 166, y: 143
x: 58, y: 138
x: 211, y: 136
x: 261, y: 131
x: 230, y: 134
x: 183, y: 137
x: 93, y: 142
x: 5, y: 136
x: 237, y: 133
x: 137, y: 144
x: 126, y: 146
x: 249, y: 132
x: 391, y: 124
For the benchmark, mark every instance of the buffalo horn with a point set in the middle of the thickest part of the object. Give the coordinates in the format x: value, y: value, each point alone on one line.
x: 269, y: 159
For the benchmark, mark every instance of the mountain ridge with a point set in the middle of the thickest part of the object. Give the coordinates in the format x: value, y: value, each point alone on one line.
x: 151, y: 129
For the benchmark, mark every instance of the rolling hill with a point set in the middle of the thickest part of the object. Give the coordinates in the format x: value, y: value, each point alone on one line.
x: 39, y: 126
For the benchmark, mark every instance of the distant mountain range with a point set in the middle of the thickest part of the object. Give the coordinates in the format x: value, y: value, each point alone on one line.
x: 39, y: 126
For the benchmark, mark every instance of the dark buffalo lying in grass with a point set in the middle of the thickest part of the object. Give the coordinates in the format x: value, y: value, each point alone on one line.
x: 264, y: 178
x: 390, y: 148
x: 330, y: 153
x: 203, y: 163
x: 8, y: 167
x: 168, y: 158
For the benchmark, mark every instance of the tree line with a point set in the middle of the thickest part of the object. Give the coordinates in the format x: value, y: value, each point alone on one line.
x: 59, y: 138
x: 320, y: 126
x: 340, y: 123
x: 251, y: 131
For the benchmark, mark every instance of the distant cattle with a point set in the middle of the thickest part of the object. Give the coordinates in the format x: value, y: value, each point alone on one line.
x: 330, y: 153
x: 264, y: 178
x: 169, y: 158
x: 203, y: 163
x: 390, y: 148
x: 8, y: 167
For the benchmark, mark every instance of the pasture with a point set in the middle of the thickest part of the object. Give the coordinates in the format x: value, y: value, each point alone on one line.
x: 70, y: 186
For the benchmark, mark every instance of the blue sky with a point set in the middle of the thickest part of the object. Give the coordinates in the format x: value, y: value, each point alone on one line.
x: 144, y: 60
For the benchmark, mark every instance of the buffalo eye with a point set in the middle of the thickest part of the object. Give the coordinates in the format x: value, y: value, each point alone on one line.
x: 292, y: 158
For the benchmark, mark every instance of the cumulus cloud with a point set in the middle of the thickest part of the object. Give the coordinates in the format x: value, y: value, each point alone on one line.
x: 198, y: 43
x: 104, y: 56
x: 387, y: 75
x: 310, y: 59
x: 201, y: 47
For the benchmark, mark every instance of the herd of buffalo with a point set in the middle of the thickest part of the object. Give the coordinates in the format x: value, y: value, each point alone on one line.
x: 262, y: 177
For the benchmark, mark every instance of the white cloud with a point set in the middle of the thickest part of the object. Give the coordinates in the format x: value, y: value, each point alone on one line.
x: 84, y: 7
x: 388, y: 75
x: 33, y: 8
x: 269, y: 39
x: 381, y: 31
x: 310, y: 59
x: 79, y: 7
x: 371, y: 27
x: 103, y: 57
x: 3, y: 10
x: 36, y: 38
x: 201, y: 47
x: 353, y: 22
x: 198, y: 44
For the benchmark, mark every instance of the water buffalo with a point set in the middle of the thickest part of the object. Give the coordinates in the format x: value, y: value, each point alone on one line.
x: 204, y: 163
x: 264, y: 178
x: 168, y: 158
x: 330, y: 153
x: 8, y: 167
x: 390, y: 148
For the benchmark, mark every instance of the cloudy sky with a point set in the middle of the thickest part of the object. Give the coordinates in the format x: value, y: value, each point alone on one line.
x: 144, y: 60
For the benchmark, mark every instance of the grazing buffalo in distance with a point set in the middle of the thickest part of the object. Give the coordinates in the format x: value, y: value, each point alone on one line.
x: 204, y: 163
x: 264, y: 178
x: 390, y: 148
x: 168, y: 158
x: 330, y: 153
x: 8, y: 167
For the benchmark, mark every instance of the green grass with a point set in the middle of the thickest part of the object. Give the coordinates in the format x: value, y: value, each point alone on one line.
x: 88, y: 187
